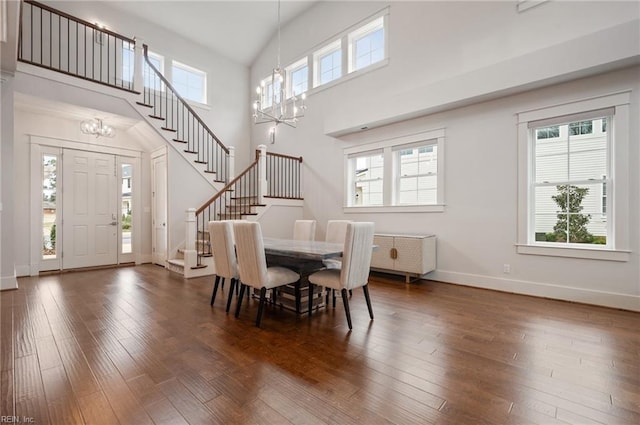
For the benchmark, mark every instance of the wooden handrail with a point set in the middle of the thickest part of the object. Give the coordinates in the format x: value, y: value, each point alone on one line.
x: 184, y: 102
x: 224, y: 189
x: 80, y: 21
x: 279, y: 155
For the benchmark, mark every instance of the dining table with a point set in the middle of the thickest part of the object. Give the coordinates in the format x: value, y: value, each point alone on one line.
x: 304, y: 257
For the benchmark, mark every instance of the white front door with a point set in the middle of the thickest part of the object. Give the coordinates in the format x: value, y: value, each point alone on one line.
x: 159, y: 239
x: 90, y: 210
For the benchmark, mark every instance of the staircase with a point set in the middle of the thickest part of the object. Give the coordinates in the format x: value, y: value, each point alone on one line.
x: 98, y: 56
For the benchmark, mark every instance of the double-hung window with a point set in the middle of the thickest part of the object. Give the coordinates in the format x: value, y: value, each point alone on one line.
x: 573, y: 179
x: 417, y: 173
x: 399, y: 174
x: 366, y: 173
x: 190, y: 83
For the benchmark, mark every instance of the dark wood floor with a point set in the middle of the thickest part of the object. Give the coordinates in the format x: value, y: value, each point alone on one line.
x: 139, y: 346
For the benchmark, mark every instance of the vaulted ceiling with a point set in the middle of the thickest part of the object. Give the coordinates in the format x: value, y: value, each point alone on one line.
x: 237, y: 29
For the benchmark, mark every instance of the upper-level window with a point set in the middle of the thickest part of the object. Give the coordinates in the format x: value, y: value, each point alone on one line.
x: 190, y: 83
x: 128, y: 61
x: 327, y: 63
x: 298, y: 78
x: 269, y: 91
x: 151, y: 80
x: 397, y: 173
x: 573, y: 185
x: 366, y: 45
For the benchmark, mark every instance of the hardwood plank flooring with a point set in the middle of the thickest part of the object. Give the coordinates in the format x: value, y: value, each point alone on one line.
x: 139, y: 345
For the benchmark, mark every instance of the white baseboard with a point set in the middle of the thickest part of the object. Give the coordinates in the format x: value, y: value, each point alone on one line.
x: 23, y: 270
x: 8, y: 282
x: 538, y: 289
x: 144, y: 259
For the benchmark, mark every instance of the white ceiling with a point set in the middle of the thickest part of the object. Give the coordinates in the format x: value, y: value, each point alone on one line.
x: 237, y: 29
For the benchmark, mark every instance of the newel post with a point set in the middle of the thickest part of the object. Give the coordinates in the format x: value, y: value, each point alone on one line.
x: 262, y: 172
x: 190, y: 225
x: 138, y: 56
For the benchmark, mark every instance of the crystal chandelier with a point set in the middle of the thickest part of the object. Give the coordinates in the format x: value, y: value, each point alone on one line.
x: 271, y: 104
x: 97, y: 128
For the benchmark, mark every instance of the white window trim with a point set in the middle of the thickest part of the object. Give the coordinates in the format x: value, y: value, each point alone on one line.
x: 618, y: 192
x: 334, y: 46
x: 370, y: 27
x: 185, y: 67
x: 397, y: 165
x: 387, y: 146
x: 289, y: 73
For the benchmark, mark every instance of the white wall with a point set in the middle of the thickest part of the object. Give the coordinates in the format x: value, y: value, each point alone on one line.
x: 226, y: 114
x: 186, y: 189
x: 7, y: 232
x: 447, y: 61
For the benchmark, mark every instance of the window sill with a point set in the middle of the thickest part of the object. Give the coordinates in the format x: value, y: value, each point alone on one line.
x: 395, y: 209
x: 589, y: 253
x: 349, y: 76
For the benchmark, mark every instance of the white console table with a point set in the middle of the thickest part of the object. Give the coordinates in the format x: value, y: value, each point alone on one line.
x: 410, y: 255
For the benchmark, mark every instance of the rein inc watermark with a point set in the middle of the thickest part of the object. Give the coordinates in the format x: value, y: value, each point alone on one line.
x: 17, y: 420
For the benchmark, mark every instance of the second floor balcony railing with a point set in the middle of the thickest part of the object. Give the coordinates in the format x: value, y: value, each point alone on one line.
x: 57, y: 41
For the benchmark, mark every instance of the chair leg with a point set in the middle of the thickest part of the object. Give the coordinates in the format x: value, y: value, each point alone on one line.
x: 310, y: 297
x: 365, y: 288
x: 333, y: 294
x: 263, y: 296
x: 242, y: 289
x: 233, y: 285
x: 345, y: 301
x: 215, y: 289
x: 350, y: 293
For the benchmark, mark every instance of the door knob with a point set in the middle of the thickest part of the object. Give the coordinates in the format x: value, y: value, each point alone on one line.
x: 114, y: 223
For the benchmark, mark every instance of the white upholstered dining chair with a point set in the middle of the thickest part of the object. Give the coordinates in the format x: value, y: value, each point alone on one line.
x: 304, y: 230
x: 252, y: 265
x: 224, y: 257
x: 356, y: 261
x: 335, y: 233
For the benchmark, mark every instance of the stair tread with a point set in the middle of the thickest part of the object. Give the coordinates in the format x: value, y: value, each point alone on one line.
x: 144, y: 104
x: 179, y: 141
x: 157, y: 117
x: 169, y: 129
x: 201, y: 266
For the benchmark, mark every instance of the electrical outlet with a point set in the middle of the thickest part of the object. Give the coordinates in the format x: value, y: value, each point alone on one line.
x: 506, y: 268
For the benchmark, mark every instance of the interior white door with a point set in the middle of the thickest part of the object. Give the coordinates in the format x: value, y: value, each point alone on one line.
x: 90, y: 210
x: 159, y: 239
